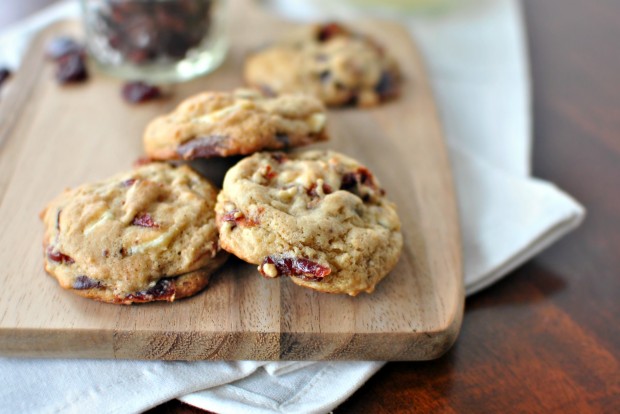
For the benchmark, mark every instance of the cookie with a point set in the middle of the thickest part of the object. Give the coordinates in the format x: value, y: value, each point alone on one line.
x: 317, y: 216
x: 141, y: 236
x: 222, y: 124
x: 328, y: 61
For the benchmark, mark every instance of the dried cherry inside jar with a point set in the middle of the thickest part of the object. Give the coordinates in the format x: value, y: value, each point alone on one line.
x: 156, y: 40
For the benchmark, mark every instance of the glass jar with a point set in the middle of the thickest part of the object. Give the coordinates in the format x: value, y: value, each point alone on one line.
x: 159, y: 41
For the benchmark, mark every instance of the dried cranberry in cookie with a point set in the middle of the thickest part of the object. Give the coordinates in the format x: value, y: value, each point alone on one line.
x: 328, y: 31
x: 222, y: 124
x: 274, y: 266
x: 145, y: 235
x: 58, y: 257
x: 84, y: 282
x: 144, y: 220
x: 319, y: 217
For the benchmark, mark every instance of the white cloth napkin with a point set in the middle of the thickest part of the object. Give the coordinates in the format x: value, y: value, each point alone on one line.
x: 477, y: 61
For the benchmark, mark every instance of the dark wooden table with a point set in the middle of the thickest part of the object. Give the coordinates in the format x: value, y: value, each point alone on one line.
x: 546, y: 338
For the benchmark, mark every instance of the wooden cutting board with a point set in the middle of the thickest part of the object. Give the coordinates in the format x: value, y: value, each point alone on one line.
x: 54, y: 137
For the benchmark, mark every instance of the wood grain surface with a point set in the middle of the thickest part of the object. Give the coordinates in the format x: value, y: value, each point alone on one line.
x: 55, y: 137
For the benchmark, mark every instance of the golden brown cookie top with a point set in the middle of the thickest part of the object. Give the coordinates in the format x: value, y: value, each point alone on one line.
x: 329, y: 61
x: 124, y: 234
x: 318, y: 216
x: 221, y: 124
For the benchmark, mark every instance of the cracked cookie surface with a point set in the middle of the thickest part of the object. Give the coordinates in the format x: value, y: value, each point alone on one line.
x: 317, y: 216
x: 329, y: 61
x: 222, y: 124
x: 144, y: 235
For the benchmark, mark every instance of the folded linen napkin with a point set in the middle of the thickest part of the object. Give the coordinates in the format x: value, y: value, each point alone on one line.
x: 478, y: 66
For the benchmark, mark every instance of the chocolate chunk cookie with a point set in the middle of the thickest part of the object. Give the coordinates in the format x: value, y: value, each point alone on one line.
x: 220, y: 124
x: 141, y: 236
x: 329, y: 61
x: 317, y: 216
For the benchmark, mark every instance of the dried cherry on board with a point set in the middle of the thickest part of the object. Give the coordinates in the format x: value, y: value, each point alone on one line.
x: 71, y: 68
x: 4, y: 75
x: 138, y: 92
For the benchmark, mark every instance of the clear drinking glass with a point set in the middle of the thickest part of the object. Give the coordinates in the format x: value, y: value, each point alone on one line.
x: 159, y: 41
